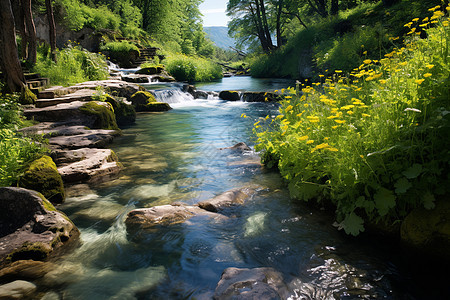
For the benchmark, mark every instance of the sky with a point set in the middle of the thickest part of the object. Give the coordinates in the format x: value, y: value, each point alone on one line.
x: 214, y: 13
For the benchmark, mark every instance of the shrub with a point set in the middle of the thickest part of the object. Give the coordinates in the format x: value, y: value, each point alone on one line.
x: 121, y: 52
x: 188, y: 68
x: 375, y: 143
x: 74, y: 65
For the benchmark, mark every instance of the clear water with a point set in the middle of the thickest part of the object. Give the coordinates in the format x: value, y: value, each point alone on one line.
x: 176, y: 157
x: 245, y: 83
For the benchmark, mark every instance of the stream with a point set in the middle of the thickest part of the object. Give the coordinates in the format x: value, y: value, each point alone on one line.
x: 176, y: 156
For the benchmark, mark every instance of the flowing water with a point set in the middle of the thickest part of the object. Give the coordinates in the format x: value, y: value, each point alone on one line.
x: 176, y: 156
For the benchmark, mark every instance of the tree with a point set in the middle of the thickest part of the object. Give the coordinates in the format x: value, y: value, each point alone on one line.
x: 31, y: 31
x: 9, y: 59
x: 52, y: 31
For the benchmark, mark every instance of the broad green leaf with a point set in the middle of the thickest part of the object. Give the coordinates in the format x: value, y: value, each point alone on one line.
x: 361, y: 202
x: 413, y: 172
x: 428, y: 201
x: 402, y: 185
x: 353, y: 224
x: 304, y: 191
x: 384, y: 201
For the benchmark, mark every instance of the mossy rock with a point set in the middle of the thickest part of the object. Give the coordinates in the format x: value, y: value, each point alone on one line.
x: 27, y: 97
x: 103, y: 111
x: 33, y: 251
x: 261, y: 97
x: 125, y: 113
x: 141, y: 99
x: 156, y: 107
x: 150, y: 71
x: 230, y: 95
x: 43, y: 176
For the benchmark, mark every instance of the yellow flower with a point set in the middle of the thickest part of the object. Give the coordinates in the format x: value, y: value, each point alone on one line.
x: 332, y: 149
x: 426, y: 75
x: 365, y: 52
x: 289, y: 108
x: 445, y: 23
x: 425, y: 20
x: 288, y: 97
x: 424, y: 25
x: 256, y: 123
x: 419, y: 81
x: 306, y: 105
x: 338, y: 71
x: 243, y: 116
x: 362, y: 156
x: 415, y: 19
x: 334, y: 127
x: 310, y: 142
x: 350, y: 112
x: 430, y: 66
x: 326, y: 138
x: 267, y: 117
x: 382, y: 81
x: 303, y: 138
x: 365, y: 115
x: 367, y: 61
x: 340, y: 121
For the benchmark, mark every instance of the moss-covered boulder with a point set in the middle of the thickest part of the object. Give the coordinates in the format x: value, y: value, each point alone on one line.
x: 125, y: 113
x: 230, y: 95
x: 30, y: 226
x: 43, y: 176
x: 146, y: 101
x: 103, y: 112
x: 156, y: 107
x: 150, y: 70
x: 27, y: 97
x: 261, y: 97
x: 428, y: 231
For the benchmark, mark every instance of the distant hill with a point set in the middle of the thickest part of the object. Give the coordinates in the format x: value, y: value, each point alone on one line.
x: 219, y: 35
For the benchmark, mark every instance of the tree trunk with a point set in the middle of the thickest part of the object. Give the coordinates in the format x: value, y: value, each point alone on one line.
x: 52, y: 32
x: 32, y: 44
x: 19, y: 21
x: 279, y: 12
x: 9, y: 58
x: 265, y: 25
x: 334, y: 7
x: 259, y: 26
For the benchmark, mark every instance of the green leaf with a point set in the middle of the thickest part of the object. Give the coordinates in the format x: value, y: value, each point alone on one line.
x: 353, y: 224
x: 428, y: 201
x: 384, y: 201
x: 413, y: 172
x: 402, y: 185
x: 304, y: 191
x: 361, y: 202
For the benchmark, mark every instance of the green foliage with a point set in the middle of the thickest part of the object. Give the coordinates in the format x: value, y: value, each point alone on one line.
x: 74, y: 65
x: 120, y: 52
x: 105, y: 118
x: 374, y: 142
x: 16, y: 150
x: 187, y: 68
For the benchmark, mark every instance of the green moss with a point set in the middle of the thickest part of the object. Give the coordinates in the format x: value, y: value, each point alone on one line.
x: 27, y: 97
x: 141, y: 99
x: 43, y: 176
x: 125, y: 113
x: 33, y: 251
x: 156, y: 107
x: 105, y: 118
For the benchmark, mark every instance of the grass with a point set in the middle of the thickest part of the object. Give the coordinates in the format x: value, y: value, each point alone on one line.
x: 74, y: 65
x: 373, y: 142
x: 16, y: 150
x: 190, y: 68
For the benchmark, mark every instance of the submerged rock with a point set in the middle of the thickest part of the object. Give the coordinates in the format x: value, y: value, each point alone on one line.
x: 42, y: 176
x: 239, y: 147
x: 261, y: 97
x: 25, y: 270
x: 230, y: 95
x: 165, y: 215
x: 136, y: 78
x: 90, y: 139
x: 428, y: 231
x: 30, y: 227
x: 150, y: 70
x: 18, y: 289
x: 257, y: 284
x: 227, y: 199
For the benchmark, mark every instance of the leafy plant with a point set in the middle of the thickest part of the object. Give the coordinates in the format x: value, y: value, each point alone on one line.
x: 374, y: 142
x: 188, y: 68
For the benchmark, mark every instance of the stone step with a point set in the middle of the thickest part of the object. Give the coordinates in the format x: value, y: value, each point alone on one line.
x: 93, y: 139
x: 86, y: 164
x: 80, y: 95
x: 31, y: 76
x: 37, y: 83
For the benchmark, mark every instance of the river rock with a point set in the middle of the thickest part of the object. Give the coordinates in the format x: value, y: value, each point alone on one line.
x: 92, y: 139
x: 150, y: 71
x: 238, y: 147
x: 257, y: 284
x: 165, y: 215
x: 124, y: 111
x: 136, y: 78
x: 200, y: 95
x: 429, y: 230
x: 230, y: 95
x: 87, y: 164
x: 30, y: 227
x: 162, y: 78
x: 117, y: 87
x: 42, y: 176
x: 18, y: 289
x: 227, y: 199
x: 25, y: 270
x: 261, y: 97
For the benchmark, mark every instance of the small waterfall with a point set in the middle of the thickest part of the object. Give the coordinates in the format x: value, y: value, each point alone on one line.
x: 172, y: 96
